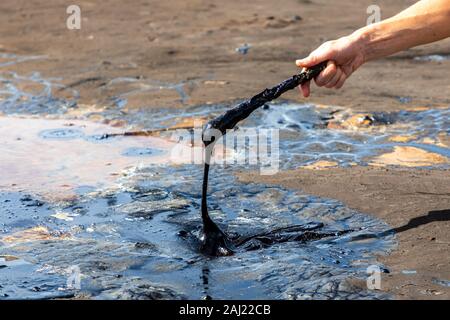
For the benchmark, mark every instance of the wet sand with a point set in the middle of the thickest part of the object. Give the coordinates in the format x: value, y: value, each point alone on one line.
x: 178, y: 54
x: 193, y: 43
x: 414, y: 202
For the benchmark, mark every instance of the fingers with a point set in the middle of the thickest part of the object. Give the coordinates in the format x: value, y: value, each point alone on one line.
x: 305, y: 89
x: 343, y: 58
x: 306, y: 62
x: 332, y: 77
x: 335, y: 79
x: 327, y: 74
x: 324, y: 52
x: 341, y: 81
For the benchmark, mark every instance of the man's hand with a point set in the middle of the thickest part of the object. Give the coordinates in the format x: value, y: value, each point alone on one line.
x: 344, y: 55
x: 424, y: 22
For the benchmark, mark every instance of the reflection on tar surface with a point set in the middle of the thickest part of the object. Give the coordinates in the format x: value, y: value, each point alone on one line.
x: 140, y: 241
x: 116, y: 210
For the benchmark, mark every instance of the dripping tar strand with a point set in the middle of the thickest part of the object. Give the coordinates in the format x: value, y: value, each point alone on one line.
x: 215, y: 242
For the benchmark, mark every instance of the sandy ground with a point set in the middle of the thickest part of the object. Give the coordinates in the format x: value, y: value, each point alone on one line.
x: 414, y: 202
x: 193, y: 43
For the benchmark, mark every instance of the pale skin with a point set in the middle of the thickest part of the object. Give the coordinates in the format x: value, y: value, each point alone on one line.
x: 424, y: 22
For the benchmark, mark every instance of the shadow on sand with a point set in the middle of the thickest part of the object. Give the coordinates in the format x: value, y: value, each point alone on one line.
x: 432, y: 216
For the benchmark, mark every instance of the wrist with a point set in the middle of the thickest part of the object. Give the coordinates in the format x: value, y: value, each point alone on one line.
x: 361, y: 39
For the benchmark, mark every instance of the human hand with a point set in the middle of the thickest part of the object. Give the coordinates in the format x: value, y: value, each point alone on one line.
x: 344, y: 56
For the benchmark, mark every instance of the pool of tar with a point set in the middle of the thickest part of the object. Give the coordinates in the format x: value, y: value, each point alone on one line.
x: 123, y: 217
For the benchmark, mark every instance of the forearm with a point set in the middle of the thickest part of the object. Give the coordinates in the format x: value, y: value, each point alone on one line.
x: 424, y: 22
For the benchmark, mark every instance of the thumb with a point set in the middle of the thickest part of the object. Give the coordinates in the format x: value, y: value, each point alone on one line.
x: 307, y: 62
x: 315, y: 57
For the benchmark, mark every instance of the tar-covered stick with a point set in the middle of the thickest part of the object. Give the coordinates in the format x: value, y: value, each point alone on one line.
x: 214, y: 241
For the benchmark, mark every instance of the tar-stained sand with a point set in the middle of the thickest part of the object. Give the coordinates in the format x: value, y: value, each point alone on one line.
x: 192, y: 44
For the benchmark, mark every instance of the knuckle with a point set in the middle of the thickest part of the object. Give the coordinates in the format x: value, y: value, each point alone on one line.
x: 319, y: 81
x: 332, y: 68
x: 328, y: 75
x: 332, y: 72
x: 330, y: 45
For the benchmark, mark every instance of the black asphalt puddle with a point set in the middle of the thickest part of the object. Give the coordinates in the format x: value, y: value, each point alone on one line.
x: 141, y: 241
x: 136, y: 234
